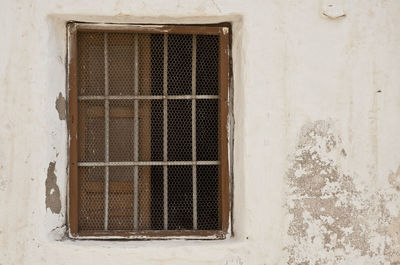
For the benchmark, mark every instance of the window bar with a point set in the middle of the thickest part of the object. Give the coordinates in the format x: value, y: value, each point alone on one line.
x: 194, y: 158
x: 165, y: 131
x: 107, y: 131
x: 136, y: 135
x: 148, y: 163
x: 112, y: 97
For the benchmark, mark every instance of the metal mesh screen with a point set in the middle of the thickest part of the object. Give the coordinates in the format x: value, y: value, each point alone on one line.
x: 148, y: 132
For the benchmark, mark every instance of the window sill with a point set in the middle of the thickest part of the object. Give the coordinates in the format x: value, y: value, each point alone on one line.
x: 153, y: 235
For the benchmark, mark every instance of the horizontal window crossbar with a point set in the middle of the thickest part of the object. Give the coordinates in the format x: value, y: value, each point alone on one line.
x: 148, y: 163
x: 148, y: 97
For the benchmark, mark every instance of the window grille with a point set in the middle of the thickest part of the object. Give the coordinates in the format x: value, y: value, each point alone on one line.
x: 148, y: 136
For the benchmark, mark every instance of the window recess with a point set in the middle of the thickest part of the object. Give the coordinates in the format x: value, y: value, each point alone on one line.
x: 148, y: 110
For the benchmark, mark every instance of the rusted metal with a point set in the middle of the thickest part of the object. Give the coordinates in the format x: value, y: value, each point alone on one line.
x: 148, y: 97
x: 136, y: 136
x: 165, y: 131
x: 107, y: 131
x: 194, y: 159
x: 148, y: 163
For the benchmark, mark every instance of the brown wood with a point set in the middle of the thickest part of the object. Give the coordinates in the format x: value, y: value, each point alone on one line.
x: 73, y: 131
x: 145, y: 133
x: 154, y: 29
x: 116, y: 186
x: 82, y: 135
x: 218, y: 234
x: 223, y: 143
x: 115, y: 112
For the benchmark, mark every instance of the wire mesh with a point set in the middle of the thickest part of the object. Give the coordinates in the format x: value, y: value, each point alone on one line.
x: 179, y: 64
x: 179, y: 130
x: 91, y: 197
x: 91, y: 131
x: 207, y: 129
x: 91, y: 63
x: 207, y: 65
x: 121, y: 195
x: 208, y: 201
x: 122, y: 130
x: 180, y: 199
x: 135, y: 130
x: 121, y: 60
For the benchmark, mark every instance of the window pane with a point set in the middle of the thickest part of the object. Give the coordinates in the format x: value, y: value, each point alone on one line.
x: 91, y: 131
x: 207, y: 129
x: 207, y: 197
x: 180, y: 197
x: 179, y: 64
x: 157, y: 198
x: 156, y: 62
x: 121, y: 58
x: 91, y: 197
x: 91, y: 63
x: 207, y: 65
x: 122, y: 130
x: 180, y: 130
x: 120, y: 208
x: 151, y: 130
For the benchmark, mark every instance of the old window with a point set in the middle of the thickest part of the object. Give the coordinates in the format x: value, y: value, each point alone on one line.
x: 148, y: 110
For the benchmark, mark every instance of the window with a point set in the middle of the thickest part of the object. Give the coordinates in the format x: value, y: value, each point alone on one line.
x: 148, y: 109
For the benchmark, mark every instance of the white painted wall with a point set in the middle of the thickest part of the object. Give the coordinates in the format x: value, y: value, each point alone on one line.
x: 316, y: 105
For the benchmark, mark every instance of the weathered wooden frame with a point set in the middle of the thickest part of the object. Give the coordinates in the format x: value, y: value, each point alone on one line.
x: 224, y: 176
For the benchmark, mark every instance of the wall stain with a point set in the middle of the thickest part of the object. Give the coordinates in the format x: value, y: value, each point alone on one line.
x: 53, y: 200
x: 394, y: 179
x: 61, y: 107
x: 331, y: 219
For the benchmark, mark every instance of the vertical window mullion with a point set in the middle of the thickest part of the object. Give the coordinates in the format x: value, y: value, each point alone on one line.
x: 194, y: 158
x: 165, y: 131
x: 107, y: 130
x: 136, y: 134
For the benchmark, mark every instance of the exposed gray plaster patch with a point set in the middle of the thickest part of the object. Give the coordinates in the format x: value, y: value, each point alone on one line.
x: 53, y: 200
x: 332, y: 220
x: 61, y: 107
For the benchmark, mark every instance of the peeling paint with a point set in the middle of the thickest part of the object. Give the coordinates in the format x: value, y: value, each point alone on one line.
x: 333, y: 221
x: 61, y: 107
x: 53, y: 200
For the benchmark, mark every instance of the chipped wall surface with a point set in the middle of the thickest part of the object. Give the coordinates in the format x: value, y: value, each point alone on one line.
x: 315, y: 159
x: 333, y: 220
x: 61, y: 107
x: 53, y: 200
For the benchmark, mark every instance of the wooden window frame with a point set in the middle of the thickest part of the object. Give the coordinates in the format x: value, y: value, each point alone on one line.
x: 224, y: 179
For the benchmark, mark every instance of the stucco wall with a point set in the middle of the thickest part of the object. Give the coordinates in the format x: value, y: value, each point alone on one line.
x: 316, y: 145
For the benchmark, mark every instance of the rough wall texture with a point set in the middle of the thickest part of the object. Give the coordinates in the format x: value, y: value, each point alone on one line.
x: 316, y: 163
x: 333, y: 220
